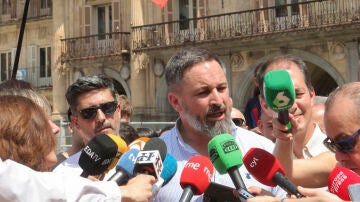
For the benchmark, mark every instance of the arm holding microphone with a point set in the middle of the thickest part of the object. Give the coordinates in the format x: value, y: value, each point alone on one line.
x: 311, y: 172
x: 312, y: 195
x: 138, y: 188
x: 279, y: 95
x: 31, y: 185
x: 339, y: 181
x: 283, y: 149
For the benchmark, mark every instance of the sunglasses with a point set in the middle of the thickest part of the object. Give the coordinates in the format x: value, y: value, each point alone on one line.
x: 238, y: 121
x: 344, y: 146
x: 107, y: 108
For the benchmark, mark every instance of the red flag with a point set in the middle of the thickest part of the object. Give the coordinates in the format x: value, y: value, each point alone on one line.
x: 160, y: 3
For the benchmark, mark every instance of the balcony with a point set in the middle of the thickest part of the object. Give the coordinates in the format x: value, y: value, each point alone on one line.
x: 95, y: 46
x: 300, y: 17
x: 12, y: 13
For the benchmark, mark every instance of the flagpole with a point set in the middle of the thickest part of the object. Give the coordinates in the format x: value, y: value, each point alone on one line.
x: 20, y: 39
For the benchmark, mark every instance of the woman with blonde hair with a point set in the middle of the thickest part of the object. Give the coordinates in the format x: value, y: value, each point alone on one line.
x: 25, y: 133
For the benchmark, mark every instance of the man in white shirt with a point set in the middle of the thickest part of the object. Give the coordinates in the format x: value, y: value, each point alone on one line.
x: 307, y: 135
x: 198, y: 91
x: 94, y: 111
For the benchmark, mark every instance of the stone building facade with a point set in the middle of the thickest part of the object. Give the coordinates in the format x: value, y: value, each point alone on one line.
x: 131, y: 41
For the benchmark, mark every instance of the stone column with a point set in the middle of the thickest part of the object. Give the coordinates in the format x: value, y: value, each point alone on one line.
x: 58, y: 71
x: 352, y: 60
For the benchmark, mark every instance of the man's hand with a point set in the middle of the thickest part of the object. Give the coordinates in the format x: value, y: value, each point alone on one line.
x: 318, y: 195
x: 264, y: 199
x: 281, y: 132
x: 138, y: 189
x: 257, y: 191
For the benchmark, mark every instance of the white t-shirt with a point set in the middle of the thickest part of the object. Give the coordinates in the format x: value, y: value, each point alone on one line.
x: 315, y: 144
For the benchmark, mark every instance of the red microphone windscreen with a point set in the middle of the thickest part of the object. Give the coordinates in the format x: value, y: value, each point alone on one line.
x: 339, y: 180
x: 262, y: 165
x: 197, y: 173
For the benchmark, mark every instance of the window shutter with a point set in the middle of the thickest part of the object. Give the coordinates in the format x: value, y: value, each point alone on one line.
x: 13, y: 53
x: 167, y: 16
x: 85, y: 22
x: 201, y: 10
x: 32, y: 57
x: 81, y: 21
x: 33, y: 67
x: 116, y: 15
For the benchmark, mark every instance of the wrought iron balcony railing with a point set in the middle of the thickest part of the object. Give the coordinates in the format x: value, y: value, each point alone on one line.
x: 94, y: 46
x: 245, y: 24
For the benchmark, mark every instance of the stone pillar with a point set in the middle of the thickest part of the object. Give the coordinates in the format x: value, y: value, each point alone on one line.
x: 352, y: 60
x: 137, y: 82
x: 58, y: 71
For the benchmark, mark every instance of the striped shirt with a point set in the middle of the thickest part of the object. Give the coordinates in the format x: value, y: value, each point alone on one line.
x: 182, y: 152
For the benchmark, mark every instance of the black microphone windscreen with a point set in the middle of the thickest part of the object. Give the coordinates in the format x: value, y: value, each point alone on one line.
x: 97, y: 155
x: 156, y: 143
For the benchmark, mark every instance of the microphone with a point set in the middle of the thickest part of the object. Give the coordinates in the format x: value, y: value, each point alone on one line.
x: 150, y: 159
x: 170, y: 167
x: 138, y: 143
x: 195, y: 177
x: 226, y: 156
x: 122, y: 148
x: 339, y: 180
x: 98, y: 154
x: 267, y: 169
x: 125, y: 167
x: 279, y: 93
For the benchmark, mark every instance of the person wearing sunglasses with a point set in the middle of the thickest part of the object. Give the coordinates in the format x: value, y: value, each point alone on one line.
x: 238, y: 118
x: 94, y: 110
x: 342, y: 124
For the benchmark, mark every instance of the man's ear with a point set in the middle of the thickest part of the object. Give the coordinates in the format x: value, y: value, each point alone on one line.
x: 174, y: 101
x: 74, y: 121
x: 312, y: 96
x: 119, y: 108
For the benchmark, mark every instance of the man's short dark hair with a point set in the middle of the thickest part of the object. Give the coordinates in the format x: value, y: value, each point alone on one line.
x: 86, y: 84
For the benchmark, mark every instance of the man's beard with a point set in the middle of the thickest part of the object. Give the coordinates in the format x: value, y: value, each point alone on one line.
x: 209, y: 128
